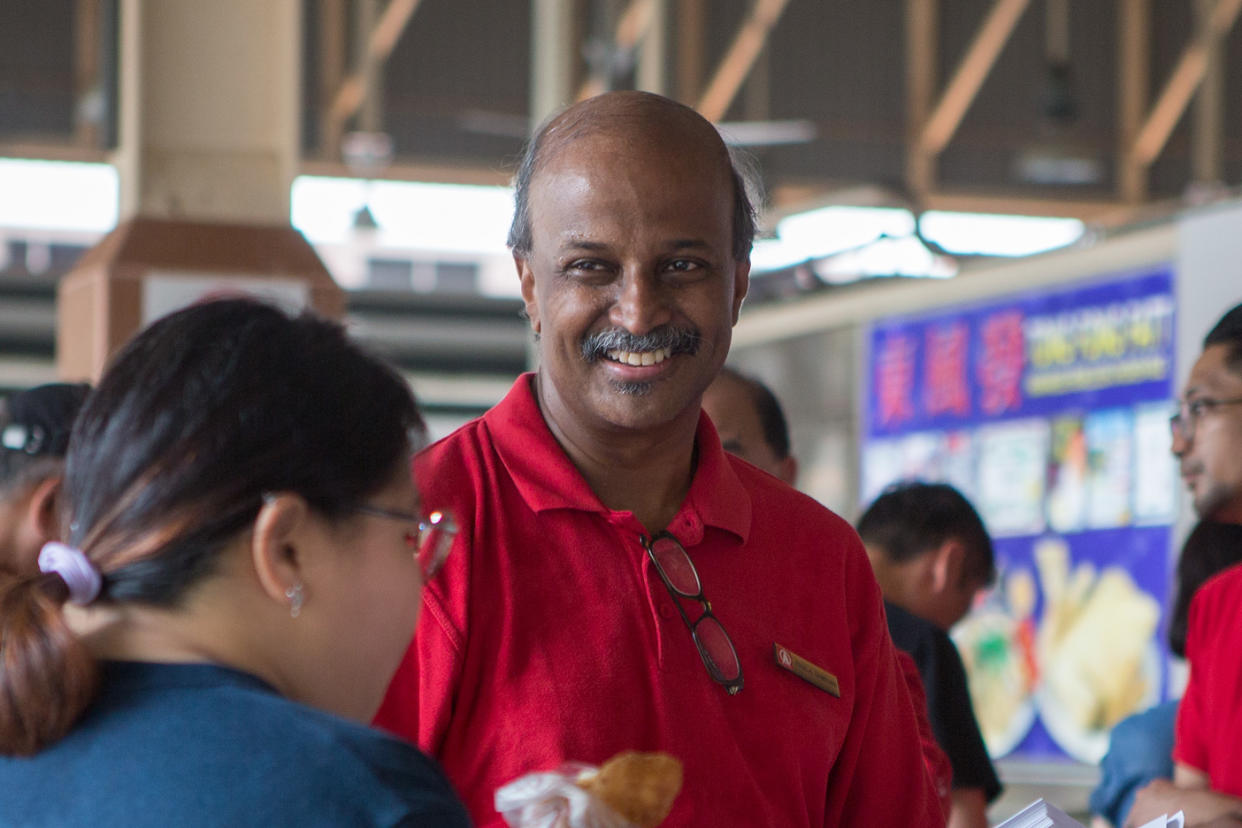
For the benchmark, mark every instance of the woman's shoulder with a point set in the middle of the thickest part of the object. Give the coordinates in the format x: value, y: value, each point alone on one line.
x: 233, y: 724
x: 324, y: 751
x: 343, y: 758
x: 205, y: 745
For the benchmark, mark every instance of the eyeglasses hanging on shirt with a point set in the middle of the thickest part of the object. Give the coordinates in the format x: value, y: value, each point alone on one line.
x: 681, y: 579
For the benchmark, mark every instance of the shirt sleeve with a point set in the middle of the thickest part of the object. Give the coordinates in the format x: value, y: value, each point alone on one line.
x: 1190, y: 746
x: 1139, y: 750
x: 418, y: 704
x: 879, y: 777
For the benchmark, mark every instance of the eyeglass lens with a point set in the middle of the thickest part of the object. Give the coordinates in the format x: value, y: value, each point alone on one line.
x: 716, y: 648
x: 1182, y: 423
x: 435, y: 539
x: 677, y: 567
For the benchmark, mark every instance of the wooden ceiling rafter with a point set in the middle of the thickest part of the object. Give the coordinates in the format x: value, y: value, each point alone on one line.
x: 751, y: 38
x: 922, y: 59
x: 1133, y: 87
x: 352, y: 92
x: 331, y: 60
x: 970, y: 74
x: 1185, y: 79
x: 87, y: 25
x: 632, y: 28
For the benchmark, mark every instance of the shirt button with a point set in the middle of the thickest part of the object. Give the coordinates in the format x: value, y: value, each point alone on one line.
x: 667, y: 612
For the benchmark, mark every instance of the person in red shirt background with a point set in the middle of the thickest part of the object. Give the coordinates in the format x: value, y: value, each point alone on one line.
x: 1207, y: 441
x: 619, y: 582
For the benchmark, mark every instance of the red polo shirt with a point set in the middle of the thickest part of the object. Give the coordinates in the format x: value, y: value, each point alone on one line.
x: 1209, y: 718
x: 549, y: 637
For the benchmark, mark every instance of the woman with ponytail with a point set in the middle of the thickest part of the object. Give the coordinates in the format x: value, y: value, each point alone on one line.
x: 243, y: 562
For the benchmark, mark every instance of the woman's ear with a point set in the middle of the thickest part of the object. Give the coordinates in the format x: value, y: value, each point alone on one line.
x: 277, y: 546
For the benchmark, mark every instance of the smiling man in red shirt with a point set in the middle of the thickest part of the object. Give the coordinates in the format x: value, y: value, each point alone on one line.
x: 621, y: 583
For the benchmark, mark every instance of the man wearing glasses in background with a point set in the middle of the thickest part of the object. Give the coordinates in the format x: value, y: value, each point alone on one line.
x: 1207, y: 440
x: 621, y: 583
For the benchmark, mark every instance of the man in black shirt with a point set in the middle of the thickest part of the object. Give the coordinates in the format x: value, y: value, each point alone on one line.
x: 931, y: 555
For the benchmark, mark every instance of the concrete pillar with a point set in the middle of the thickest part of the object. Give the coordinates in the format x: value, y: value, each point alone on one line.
x: 209, y: 108
x: 208, y: 149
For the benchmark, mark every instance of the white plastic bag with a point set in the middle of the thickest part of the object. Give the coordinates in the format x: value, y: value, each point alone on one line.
x: 550, y: 799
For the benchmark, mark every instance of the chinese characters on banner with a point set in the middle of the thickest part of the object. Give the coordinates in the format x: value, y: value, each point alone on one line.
x: 1049, y: 411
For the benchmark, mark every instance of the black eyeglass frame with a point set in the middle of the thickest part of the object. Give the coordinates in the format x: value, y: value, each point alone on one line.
x: 1186, y: 421
x: 731, y: 685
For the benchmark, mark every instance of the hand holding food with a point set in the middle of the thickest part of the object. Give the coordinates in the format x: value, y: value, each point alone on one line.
x: 630, y: 790
x: 639, y: 786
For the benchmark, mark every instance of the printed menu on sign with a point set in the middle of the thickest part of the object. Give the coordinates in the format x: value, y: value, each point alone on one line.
x: 1049, y: 410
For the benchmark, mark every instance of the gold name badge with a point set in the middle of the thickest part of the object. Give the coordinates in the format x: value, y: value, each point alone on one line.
x: 806, y: 671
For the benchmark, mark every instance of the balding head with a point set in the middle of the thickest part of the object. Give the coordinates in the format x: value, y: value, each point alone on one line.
x: 630, y: 118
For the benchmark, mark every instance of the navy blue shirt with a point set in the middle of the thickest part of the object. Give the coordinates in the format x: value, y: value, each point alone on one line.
x: 199, y: 744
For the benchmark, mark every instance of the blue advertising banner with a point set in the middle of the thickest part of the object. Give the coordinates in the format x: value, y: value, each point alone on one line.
x: 1050, y: 411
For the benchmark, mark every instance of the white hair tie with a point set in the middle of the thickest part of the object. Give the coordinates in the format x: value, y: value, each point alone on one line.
x: 82, y: 578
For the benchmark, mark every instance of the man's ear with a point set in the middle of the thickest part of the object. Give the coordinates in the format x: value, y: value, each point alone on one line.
x: 42, y: 510
x: 276, y: 547
x: 527, y: 278
x: 948, y: 565
x: 741, y: 284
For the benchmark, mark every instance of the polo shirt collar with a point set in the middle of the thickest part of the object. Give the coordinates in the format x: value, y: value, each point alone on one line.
x: 547, y: 479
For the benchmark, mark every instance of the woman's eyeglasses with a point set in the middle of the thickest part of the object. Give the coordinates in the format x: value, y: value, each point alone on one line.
x: 430, y: 544
x: 681, y: 579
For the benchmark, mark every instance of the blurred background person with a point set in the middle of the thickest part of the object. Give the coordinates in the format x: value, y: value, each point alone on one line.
x: 1140, y: 747
x: 1207, y: 441
x: 244, y: 547
x: 1207, y: 428
x: 34, y: 435
x: 932, y: 555
x: 751, y: 423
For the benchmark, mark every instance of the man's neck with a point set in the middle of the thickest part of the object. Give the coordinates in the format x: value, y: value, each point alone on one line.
x: 644, y: 472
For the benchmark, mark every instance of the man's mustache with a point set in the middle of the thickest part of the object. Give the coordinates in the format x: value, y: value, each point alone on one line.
x: 678, y: 340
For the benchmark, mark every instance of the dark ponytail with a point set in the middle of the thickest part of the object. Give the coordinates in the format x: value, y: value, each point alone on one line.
x: 47, y: 676
x: 198, y: 416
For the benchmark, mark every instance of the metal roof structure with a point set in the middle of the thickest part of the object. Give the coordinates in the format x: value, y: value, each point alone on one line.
x: 1091, y: 109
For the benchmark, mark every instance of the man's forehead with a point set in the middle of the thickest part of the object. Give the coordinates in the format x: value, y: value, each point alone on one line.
x: 1211, y: 371
x: 672, y: 190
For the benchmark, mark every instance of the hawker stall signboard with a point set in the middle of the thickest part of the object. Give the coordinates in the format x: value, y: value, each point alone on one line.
x: 1049, y: 410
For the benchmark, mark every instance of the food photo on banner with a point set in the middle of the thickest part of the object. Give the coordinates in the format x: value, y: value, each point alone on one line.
x: 1049, y: 410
